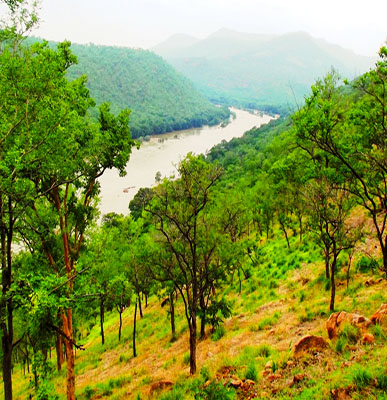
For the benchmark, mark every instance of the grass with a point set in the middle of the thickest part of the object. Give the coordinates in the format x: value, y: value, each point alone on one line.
x: 284, y: 298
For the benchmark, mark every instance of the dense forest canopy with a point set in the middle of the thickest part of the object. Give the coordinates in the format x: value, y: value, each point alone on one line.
x: 161, y: 99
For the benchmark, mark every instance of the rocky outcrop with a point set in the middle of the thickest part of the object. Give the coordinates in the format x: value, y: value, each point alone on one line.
x: 380, y: 317
x: 308, y: 343
x: 337, y: 321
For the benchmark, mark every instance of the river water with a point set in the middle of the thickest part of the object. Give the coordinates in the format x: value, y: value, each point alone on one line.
x: 162, y: 152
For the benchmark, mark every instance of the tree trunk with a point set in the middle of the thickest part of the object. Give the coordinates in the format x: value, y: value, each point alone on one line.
x: 101, y: 318
x: 326, y: 254
x: 333, y: 284
x: 203, y: 317
x: 6, y: 309
x: 192, y: 344
x: 67, y: 319
x: 59, y: 351
x: 172, y: 311
x: 134, y: 330
x: 139, y: 306
x: 120, y: 327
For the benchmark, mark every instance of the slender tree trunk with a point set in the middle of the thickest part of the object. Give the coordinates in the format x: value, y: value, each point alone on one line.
x: 333, y: 284
x: 349, y: 267
x: 139, y: 306
x: 203, y: 317
x: 6, y: 303
x: 102, y: 317
x: 172, y: 312
x: 59, y: 351
x: 134, y: 330
x: 120, y: 327
x: 67, y: 319
x: 146, y: 300
x: 326, y: 254
x: 300, y: 225
x: 285, y: 233
x: 192, y: 344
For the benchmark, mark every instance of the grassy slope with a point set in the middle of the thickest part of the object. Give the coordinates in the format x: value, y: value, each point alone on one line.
x: 284, y: 299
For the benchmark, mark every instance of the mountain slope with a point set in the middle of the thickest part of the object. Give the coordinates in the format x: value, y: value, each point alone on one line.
x: 261, y: 70
x: 160, y: 98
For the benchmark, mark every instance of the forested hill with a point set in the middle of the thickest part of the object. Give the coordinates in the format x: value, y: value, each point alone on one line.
x: 260, y: 71
x: 161, y: 99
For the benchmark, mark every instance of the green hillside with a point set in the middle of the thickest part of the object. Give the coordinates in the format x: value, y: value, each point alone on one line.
x: 260, y: 272
x: 160, y: 98
x: 260, y: 71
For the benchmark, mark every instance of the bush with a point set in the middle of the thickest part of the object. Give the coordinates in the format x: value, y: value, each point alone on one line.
x: 215, y: 391
x: 219, y: 332
x: 366, y: 264
x: 251, y: 372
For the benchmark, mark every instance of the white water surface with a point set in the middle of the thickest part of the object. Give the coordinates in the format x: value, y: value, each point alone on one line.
x: 162, y: 152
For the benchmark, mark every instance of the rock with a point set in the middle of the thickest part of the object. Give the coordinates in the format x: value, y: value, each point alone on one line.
x: 368, y: 338
x: 296, y: 378
x: 380, y: 280
x: 308, y: 343
x: 380, y: 317
x: 369, y: 282
x: 249, y: 382
x: 341, y: 394
x: 336, y: 322
x: 274, y: 377
x: 236, y: 383
x: 207, y: 383
x: 160, y: 385
x: 290, y: 363
x: 266, y: 372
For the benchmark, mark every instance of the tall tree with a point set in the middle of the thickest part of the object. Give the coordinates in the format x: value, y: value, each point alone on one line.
x: 349, y: 133
x: 180, y: 210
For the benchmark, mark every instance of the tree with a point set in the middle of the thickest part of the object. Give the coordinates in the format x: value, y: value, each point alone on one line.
x: 180, y: 210
x: 32, y: 93
x: 349, y: 132
x: 329, y: 209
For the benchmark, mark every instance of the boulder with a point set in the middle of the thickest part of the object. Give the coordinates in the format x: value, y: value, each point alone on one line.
x: 337, y: 321
x: 308, y: 343
x: 236, y: 383
x: 160, y: 385
x: 296, y: 379
x: 380, y: 317
x: 368, y: 338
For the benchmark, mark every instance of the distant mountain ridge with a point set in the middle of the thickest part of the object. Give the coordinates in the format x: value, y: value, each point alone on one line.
x: 271, y: 71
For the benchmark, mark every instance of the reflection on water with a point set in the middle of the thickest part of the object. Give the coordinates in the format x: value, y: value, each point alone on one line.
x: 162, y: 152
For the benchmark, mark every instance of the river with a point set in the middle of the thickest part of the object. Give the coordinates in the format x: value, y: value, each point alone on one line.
x: 162, y: 152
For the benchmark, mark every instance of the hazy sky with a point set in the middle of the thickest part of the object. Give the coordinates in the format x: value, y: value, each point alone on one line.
x: 359, y: 25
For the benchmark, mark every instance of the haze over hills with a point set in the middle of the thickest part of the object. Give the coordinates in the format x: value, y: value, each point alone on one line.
x: 264, y: 71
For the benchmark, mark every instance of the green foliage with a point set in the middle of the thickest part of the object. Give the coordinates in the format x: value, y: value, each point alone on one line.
x: 215, y: 391
x: 218, y: 333
x: 251, y: 372
x: 360, y: 376
x: 161, y: 100
x: 366, y: 264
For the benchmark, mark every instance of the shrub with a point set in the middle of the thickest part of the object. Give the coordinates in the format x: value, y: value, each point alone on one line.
x: 186, y: 358
x: 219, y: 332
x: 215, y: 391
x: 365, y: 264
x: 251, y: 372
